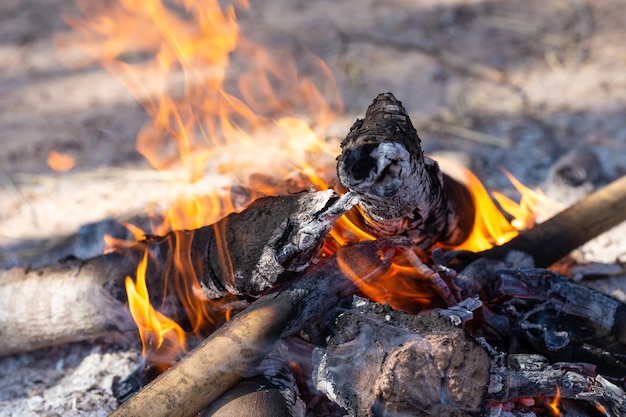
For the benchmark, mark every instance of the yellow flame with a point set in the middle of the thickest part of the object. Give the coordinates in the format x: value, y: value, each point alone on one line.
x: 155, y: 329
x: 553, y: 406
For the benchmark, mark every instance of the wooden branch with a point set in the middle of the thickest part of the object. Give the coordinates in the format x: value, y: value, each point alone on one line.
x: 67, y: 302
x: 243, y: 253
x: 558, y: 236
x: 236, y: 348
x: 402, y: 191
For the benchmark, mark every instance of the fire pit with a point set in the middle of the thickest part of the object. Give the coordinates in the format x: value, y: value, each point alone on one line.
x: 390, y: 284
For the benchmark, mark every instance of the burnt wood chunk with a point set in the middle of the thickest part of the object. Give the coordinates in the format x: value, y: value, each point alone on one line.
x: 385, y: 362
x: 402, y: 191
x: 246, y: 252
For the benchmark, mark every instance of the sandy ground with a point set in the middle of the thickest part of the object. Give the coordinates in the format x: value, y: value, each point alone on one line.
x: 514, y: 84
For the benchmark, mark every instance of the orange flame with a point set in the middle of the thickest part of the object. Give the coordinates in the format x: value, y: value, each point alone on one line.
x: 553, y: 407
x: 60, y: 161
x: 157, y: 332
x: 491, y: 225
x: 172, y: 56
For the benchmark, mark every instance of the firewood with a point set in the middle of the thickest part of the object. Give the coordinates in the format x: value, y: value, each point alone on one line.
x: 245, y: 253
x: 402, y: 191
x: 558, y: 236
x: 385, y: 362
x: 66, y: 302
x: 235, y: 349
x: 242, y: 254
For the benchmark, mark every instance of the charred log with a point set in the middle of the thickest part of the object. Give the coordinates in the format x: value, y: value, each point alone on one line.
x: 246, y: 252
x: 242, y: 254
x: 384, y: 362
x: 528, y: 375
x: 402, y: 191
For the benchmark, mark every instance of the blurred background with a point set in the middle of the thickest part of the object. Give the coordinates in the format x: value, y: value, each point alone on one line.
x: 512, y: 84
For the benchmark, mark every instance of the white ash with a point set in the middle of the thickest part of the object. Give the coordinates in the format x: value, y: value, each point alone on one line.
x: 70, y: 381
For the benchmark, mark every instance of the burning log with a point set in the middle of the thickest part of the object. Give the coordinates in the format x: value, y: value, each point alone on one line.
x: 243, y: 253
x: 246, y: 252
x: 385, y: 362
x: 402, y: 191
x: 235, y: 349
x: 558, y: 236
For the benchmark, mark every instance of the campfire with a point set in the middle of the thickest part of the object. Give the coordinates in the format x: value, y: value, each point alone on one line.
x: 362, y: 279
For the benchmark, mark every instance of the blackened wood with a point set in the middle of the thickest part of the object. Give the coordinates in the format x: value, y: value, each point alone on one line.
x: 599, y: 311
x: 528, y: 375
x: 243, y: 253
x: 385, y: 362
x: 402, y: 191
x: 236, y: 348
x: 558, y: 236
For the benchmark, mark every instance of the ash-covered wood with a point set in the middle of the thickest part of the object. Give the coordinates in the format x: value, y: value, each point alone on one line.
x: 381, y: 362
x: 242, y: 254
x: 385, y: 362
x: 530, y: 375
x: 402, y: 191
x: 246, y: 252
x: 236, y: 349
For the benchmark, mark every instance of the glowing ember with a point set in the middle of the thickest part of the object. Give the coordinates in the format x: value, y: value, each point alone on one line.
x: 554, y: 404
x: 60, y: 161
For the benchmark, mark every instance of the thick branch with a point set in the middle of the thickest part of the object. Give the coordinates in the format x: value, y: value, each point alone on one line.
x: 66, y: 302
x: 556, y: 237
x: 402, y: 191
